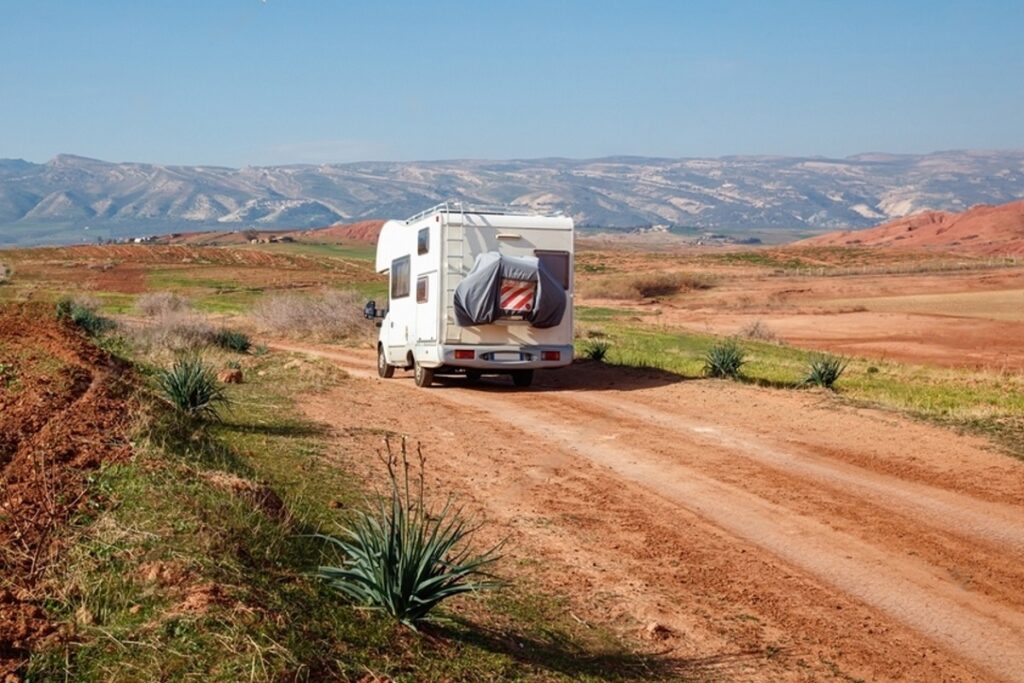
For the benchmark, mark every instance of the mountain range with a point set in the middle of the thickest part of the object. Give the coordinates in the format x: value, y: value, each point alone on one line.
x: 59, y: 199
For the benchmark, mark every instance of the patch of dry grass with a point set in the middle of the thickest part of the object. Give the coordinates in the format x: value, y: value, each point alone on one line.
x: 328, y: 316
x: 153, y: 304
x: 644, y: 285
x: 175, y: 331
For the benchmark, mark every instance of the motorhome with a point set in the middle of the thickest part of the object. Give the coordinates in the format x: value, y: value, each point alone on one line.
x: 475, y: 291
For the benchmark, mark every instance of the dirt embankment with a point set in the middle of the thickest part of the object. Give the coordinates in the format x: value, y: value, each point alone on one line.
x: 769, y: 535
x: 64, y: 409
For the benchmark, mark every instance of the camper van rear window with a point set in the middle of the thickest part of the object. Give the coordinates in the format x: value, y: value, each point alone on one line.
x: 423, y: 241
x: 400, y: 277
x: 557, y: 263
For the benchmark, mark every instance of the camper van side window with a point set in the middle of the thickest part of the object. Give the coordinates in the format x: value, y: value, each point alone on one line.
x: 400, y: 277
x: 557, y: 263
x: 423, y: 241
x: 421, y: 290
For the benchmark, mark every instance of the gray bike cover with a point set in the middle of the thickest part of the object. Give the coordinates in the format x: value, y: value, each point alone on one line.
x: 477, y: 297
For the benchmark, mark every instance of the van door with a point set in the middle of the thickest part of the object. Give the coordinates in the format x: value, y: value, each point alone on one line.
x: 400, y: 309
x: 427, y: 316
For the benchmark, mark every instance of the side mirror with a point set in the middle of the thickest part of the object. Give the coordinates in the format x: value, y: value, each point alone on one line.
x: 370, y: 310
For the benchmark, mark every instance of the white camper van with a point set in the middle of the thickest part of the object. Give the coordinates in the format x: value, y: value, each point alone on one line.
x: 475, y: 291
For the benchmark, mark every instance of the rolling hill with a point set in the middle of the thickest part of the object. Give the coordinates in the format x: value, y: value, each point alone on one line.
x: 979, y: 230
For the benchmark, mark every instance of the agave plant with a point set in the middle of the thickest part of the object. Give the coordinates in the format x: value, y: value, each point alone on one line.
x: 191, y: 387
x: 825, y: 370
x: 724, y: 359
x: 233, y: 340
x: 403, y: 558
x: 596, y: 351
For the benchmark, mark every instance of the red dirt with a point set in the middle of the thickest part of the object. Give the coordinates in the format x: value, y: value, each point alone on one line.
x: 363, y: 231
x: 769, y: 535
x: 979, y: 230
x: 64, y: 409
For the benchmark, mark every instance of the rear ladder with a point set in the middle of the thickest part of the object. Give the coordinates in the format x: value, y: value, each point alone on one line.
x: 455, y: 265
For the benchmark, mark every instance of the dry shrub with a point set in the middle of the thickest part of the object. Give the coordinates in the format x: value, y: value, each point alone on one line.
x: 176, y: 331
x: 645, y: 285
x: 330, y: 315
x: 155, y: 304
x: 5, y: 273
x: 759, y: 331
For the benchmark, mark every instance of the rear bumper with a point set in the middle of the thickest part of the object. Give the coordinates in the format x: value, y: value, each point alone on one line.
x: 502, y: 358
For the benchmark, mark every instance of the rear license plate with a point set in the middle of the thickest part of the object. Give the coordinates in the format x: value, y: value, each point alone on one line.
x: 506, y: 355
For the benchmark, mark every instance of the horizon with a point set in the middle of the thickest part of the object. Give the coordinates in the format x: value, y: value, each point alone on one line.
x: 251, y: 83
x: 1008, y: 150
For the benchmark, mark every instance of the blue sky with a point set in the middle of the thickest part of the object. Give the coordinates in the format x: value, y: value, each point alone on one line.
x: 238, y: 82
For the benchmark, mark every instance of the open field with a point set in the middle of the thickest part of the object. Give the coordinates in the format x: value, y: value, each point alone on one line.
x: 658, y: 525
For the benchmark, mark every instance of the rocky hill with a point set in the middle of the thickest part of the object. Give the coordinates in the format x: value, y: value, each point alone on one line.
x: 979, y: 230
x: 40, y: 201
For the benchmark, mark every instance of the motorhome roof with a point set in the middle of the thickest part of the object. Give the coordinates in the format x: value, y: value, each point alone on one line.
x: 482, y: 209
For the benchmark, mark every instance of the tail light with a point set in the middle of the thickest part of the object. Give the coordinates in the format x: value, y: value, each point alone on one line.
x: 464, y: 354
x: 551, y: 355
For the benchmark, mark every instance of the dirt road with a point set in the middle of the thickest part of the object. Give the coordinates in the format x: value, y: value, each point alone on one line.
x: 775, y: 535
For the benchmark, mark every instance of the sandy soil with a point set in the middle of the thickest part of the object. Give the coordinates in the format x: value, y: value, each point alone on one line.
x: 770, y: 535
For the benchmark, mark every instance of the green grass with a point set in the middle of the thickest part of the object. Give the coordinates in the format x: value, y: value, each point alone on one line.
x: 988, y: 403
x: 357, y: 252
x: 173, y: 530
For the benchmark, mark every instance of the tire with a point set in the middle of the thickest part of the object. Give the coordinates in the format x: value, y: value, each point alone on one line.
x: 384, y: 369
x: 424, y: 376
x: 522, y: 378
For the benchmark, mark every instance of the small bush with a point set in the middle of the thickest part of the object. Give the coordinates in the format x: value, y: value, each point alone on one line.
x: 232, y: 340
x: 825, y: 370
x: 191, y: 387
x: 82, y: 312
x: 646, y: 285
x: 176, y: 331
x: 724, y: 359
x: 5, y: 274
x: 404, y: 558
x: 758, y: 331
x: 329, y: 316
x: 596, y: 350
x: 160, y: 303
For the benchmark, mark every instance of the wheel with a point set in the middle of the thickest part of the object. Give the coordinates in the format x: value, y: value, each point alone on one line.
x: 383, y: 368
x: 424, y: 376
x: 473, y: 376
x: 522, y: 378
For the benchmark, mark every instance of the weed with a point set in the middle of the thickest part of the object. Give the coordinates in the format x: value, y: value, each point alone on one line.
x: 404, y: 558
x: 724, y: 359
x: 232, y: 340
x: 191, y: 387
x: 758, y: 331
x: 825, y: 370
